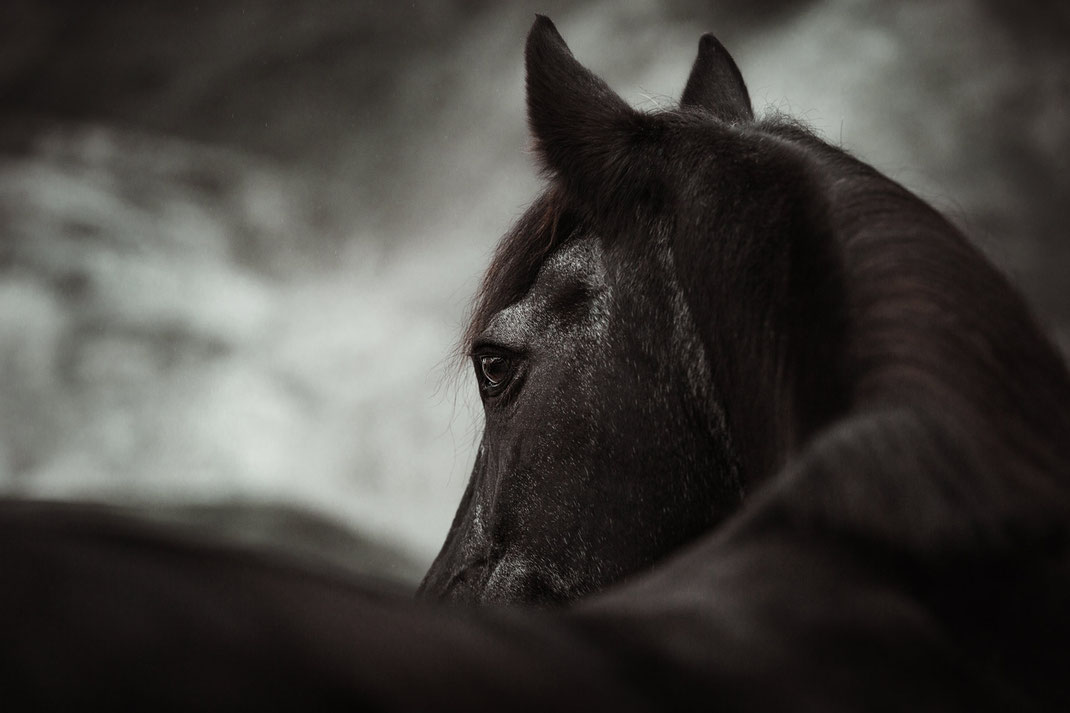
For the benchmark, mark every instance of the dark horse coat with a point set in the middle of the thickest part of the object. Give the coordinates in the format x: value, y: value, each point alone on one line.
x: 826, y: 468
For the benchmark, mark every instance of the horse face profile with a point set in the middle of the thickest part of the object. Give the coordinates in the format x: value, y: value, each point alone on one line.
x: 598, y: 425
x: 616, y: 429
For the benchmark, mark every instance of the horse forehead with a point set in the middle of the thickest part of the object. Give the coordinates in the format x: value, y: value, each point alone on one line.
x: 579, y: 260
x: 577, y: 268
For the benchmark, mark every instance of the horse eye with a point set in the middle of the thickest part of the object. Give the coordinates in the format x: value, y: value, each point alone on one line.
x: 494, y: 369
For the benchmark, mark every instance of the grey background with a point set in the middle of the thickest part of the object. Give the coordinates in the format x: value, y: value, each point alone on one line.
x: 238, y: 238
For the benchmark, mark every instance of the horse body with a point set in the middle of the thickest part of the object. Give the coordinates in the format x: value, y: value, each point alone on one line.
x: 786, y: 437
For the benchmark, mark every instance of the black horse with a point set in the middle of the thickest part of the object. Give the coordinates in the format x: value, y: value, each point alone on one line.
x: 694, y: 300
x: 709, y: 331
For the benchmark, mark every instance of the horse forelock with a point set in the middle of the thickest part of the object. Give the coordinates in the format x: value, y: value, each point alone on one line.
x: 544, y: 228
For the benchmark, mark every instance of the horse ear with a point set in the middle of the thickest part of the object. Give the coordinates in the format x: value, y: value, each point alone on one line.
x: 577, y: 122
x: 716, y: 85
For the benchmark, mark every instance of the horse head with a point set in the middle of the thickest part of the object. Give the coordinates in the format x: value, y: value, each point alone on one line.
x: 618, y: 426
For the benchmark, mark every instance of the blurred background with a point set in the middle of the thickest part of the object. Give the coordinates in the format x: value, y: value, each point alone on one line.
x: 238, y: 238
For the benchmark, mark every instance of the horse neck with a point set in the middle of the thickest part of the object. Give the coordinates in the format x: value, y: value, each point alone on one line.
x: 837, y: 293
x: 765, y: 292
x: 933, y: 327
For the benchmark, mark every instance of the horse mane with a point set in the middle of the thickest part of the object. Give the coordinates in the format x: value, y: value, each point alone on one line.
x: 948, y: 375
x: 544, y: 227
